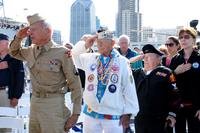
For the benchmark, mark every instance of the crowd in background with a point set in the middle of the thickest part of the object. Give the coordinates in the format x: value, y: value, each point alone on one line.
x: 158, y: 87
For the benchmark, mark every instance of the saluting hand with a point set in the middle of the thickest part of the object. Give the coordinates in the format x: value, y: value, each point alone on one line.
x: 90, y: 41
x: 182, y: 68
x: 22, y: 33
x: 68, y: 53
x: 71, y: 121
x: 172, y: 120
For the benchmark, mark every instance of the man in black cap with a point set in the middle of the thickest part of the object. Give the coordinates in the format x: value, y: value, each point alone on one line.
x: 154, y: 89
x: 11, y: 77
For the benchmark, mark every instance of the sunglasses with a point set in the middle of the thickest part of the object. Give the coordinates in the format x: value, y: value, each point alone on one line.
x: 169, y: 44
x: 185, y: 37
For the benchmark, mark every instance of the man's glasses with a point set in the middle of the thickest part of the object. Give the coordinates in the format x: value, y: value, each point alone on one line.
x: 184, y: 36
x: 169, y: 44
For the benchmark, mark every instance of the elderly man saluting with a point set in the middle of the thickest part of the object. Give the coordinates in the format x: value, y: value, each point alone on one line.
x: 50, y: 72
x: 155, y: 92
x: 110, y: 96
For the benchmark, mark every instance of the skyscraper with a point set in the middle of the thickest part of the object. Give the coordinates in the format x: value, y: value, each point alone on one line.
x: 129, y: 19
x: 57, y: 36
x: 97, y: 23
x: 83, y: 19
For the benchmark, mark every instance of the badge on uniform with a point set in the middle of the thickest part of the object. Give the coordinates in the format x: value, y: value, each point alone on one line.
x: 54, y: 62
x: 112, y: 88
x: 91, y: 77
x: 195, y: 65
x: 115, y: 68
x: 89, y: 110
x: 172, y: 78
x: 93, y: 67
x: 114, y: 78
x: 90, y: 87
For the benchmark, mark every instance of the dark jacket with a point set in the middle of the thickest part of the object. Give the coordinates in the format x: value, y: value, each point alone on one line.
x: 188, y: 82
x: 13, y: 77
x: 154, y: 92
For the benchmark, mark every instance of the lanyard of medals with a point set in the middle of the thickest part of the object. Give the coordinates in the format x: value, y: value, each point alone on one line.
x: 103, y: 70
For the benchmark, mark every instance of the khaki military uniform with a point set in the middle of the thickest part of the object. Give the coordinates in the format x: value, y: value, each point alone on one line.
x: 50, y: 71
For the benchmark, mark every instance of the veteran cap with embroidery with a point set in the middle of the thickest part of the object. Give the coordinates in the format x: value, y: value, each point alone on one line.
x: 148, y: 48
x: 105, y: 35
x: 34, y: 18
x: 3, y: 37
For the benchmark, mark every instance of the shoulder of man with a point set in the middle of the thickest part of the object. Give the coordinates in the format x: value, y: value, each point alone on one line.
x: 14, y: 60
x: 132, y: 52
x: 60, y: 49
x: 90, y: 55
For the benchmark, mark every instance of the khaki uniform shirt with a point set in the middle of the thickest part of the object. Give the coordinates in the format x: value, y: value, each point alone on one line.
x: 50, y: 70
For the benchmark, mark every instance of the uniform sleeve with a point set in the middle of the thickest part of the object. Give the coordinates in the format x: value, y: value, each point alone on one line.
x: 73, y: 82
x: 17, y: 51
x: 129, y: 91
x: 173, y: 95
x: 79, y: 49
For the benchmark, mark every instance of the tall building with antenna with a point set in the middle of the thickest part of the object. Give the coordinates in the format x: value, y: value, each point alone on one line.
x: 129, y: 19
x: 83, y: 19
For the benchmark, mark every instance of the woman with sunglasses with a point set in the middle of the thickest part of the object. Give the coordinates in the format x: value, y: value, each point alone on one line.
x: 172, y: 45
x: 186, y: 67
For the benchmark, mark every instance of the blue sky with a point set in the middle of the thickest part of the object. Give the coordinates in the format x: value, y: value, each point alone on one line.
x: 156, y: 13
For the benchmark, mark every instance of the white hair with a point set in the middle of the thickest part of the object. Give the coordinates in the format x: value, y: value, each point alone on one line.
x: 126, y: 37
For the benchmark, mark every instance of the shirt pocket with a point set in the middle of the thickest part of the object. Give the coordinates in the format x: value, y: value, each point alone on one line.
x: 50, y: 66
x: 54, y: 68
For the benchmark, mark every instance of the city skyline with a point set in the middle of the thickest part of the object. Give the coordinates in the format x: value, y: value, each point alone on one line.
x: 83, y: 19
x: 155, y: 13
x: 129, y: 19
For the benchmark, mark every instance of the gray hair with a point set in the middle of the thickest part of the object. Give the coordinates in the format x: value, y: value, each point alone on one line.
x: 46, y: 24
x: 126, y: 37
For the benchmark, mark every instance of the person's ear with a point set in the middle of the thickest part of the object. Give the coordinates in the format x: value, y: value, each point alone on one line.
x: 113, y: 43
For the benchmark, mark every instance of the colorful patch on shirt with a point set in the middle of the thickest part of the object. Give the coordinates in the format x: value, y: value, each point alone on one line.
x: 112, y: 88
x: 172, y: 78
x: 195, y: 65
x: 114, y: 78
x: 90, y: 87
x: 89, y: 110
x: 161, y: 74
x: 93, y: 67
x: 115, y: 68
x: 54, y: 62
x: 91, y: 77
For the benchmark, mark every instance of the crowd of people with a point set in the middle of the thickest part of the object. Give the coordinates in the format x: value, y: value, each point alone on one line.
x: 158, y: 88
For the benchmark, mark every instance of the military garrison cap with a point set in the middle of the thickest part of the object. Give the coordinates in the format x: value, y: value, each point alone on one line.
x: 105, y: 35
x: 34, y: 18
x: 148, y: 48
